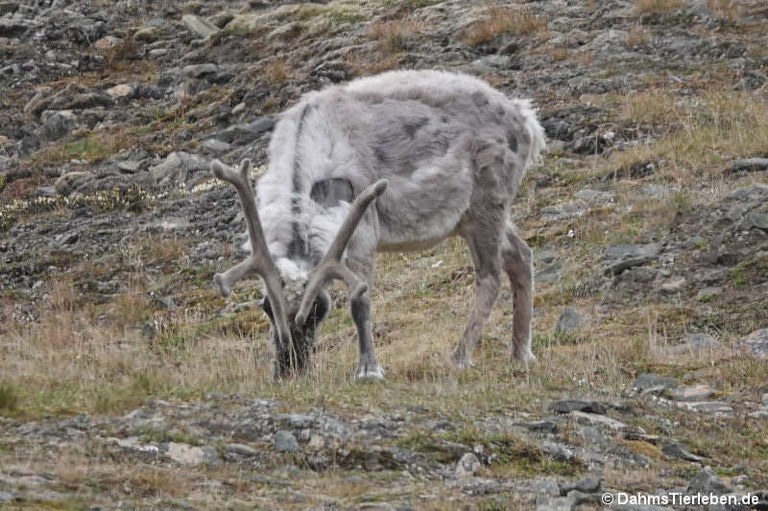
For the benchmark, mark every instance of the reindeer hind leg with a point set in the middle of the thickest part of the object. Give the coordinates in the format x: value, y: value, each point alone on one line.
x: 517, y: 259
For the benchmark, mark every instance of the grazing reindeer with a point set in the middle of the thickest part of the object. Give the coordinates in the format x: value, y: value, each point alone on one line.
x: 397, y: 161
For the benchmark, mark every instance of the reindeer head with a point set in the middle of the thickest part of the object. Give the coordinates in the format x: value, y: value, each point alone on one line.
x: 296, y: 301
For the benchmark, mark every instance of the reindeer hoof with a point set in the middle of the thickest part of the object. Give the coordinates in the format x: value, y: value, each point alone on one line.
x: 461, y: 360
x: 224, y: 290
x: 526, y: 357
x: 374, y: 373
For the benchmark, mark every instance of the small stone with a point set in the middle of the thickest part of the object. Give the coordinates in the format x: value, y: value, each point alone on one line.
x: 750, y: 165
x: 756, y: 343
x: 58, y: 124
x: 649, y: 383
x: 570, y: 405
x: 588, y: 485
x: 190, y: 455
x: 673, y: 285
x: 714, y: 407
x: 600, y: 420
x: 123, y: 90
x: 200, y: 26
x: 468, y: 465
x: 130, y: 166
x: 698, y: 392
x: 654, y: 190
x: 216, y: 147
x: 241, y: 449
x: 285, y: 441
x: 594, y: 196
x: 199, y: 70
x: 570, y: 321
x: 624, y: 257
x: 556, y: 504
x: 706, y: 482
x: 675, y: 450
x: 8, y: 7
x: 107, y: 42
x: 708, y: 293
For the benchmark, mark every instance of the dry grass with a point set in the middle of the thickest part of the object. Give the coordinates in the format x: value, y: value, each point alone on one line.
x: 92, y: 147
x: 726, y: 10
x: 498, y: 20
x: 637, y: 36
x: 278, y: 72
x: 395, y: 36
x: 657, y: 6
x: 708, y: 131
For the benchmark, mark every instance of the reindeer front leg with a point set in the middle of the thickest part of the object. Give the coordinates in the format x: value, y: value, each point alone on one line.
x: 368, y: 368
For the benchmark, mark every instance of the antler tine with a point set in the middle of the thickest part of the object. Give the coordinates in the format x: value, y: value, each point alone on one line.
x: 330, y: 265
x: 259, y: 261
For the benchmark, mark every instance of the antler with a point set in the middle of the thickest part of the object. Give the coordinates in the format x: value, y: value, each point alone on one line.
x: 330, y: 266
x: 259, y: 261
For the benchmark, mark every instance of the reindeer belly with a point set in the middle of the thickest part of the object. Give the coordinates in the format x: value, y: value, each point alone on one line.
x: 420, y: 210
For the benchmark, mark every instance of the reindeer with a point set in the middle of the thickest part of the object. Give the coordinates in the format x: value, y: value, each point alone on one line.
x: 392, y: 162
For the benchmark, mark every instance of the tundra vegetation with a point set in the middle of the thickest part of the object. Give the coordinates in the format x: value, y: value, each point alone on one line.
x: 126, y: 378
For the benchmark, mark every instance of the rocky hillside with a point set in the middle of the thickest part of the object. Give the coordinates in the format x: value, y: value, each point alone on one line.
x: 126, y: 382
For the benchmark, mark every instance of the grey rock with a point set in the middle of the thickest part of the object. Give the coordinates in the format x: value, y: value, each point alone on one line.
x: 649, y: 383
x: 604, y: 421
x: 130, y: 166
x: 623, y: 257
x: 654, y: 190
x: 594, y: 196
x: 707, y: 482
x: 285, y: 441
x: 750, y: 165
x: 581, y: 405
x: 549, y: 273
x: 543, y: 486
x: 698, y: 392
x: 756, y: 343
x: 199, y: 70
x: 675, y: 450
x: 556, y: 504
x: 199, y: 25
x: 717, y: 408
x: 8, y: 8
x: 673, y: 285
x: 754, y: 193
x: 757, y: 220
x: 708, y: 293
x: 694, y: 343
x: 558, y: 450
x: 246, y: 132
x: 190, y: 455
x: 570, y: 321
x: 70, y: 181
x: 177, y: 167
x: 13, y: 28
x: 5, y: 497
x: 215, y: 146
x: 58, y: 124
x: 468, y: 465
x: 543, y: 426
x: 564, y: 211
x: 587, y: 485
x: 241, y: 449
